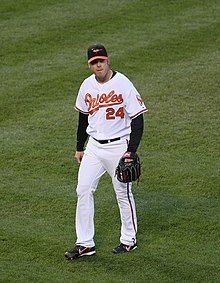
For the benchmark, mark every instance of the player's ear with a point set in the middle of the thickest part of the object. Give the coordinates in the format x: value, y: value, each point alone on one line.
x: 89, y: 66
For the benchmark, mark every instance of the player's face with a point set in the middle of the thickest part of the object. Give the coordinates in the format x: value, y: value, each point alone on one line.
x: 101, y: 69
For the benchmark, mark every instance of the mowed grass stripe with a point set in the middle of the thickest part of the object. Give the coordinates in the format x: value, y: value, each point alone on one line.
x: 69, y: 19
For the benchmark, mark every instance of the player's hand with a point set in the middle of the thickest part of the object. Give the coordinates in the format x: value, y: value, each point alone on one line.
x: 128, y: 157
x: 129, y: 168
x: 79, y: 156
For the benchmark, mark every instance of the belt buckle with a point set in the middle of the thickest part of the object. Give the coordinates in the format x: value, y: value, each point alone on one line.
x: 109, y: 141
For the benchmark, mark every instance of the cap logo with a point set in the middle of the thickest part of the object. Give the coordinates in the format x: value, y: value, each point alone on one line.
x: 96, y: 50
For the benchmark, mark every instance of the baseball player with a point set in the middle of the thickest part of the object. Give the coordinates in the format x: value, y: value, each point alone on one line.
x: 111, y: 115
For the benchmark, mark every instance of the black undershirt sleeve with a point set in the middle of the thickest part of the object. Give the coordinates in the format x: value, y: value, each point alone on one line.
x: 137, y: 127
x: 81, y: 135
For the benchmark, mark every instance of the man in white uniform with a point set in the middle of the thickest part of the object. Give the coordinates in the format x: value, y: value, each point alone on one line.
x: 111, y: 114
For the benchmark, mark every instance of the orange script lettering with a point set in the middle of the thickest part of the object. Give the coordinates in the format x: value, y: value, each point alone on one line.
x: 103, y: 100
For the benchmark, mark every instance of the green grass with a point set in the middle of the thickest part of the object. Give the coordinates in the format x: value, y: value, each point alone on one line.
x: 170, y: 50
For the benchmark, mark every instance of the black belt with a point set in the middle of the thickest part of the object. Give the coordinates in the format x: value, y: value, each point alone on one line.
x: 107, y: 141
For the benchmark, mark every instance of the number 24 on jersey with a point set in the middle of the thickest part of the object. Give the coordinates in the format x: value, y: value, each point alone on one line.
x: 112, y: 113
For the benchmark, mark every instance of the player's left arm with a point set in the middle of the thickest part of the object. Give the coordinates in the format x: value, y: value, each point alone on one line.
x: 137, y: 128
x: 135, y: 108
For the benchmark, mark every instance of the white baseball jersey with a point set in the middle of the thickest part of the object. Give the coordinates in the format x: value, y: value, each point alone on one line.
x: 111, y: 106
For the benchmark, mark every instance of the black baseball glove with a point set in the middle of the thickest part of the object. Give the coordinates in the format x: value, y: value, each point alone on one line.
x: 129, y: 168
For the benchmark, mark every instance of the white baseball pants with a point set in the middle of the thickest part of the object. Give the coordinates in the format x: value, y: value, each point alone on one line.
x: 98, y: 159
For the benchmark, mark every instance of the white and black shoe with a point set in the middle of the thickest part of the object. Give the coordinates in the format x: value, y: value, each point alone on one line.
x: 122, y: 248
x: 79, y: 251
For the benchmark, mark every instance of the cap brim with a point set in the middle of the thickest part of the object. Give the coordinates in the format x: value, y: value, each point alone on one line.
x: 97, y: 57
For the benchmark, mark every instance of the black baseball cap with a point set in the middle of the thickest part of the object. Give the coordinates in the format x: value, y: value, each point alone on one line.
x: 96, y: 51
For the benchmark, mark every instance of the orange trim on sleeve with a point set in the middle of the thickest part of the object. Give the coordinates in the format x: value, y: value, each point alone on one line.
x: 79, y: 110
x: 140, y: 112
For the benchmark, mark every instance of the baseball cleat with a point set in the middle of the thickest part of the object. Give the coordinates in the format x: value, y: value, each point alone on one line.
x: 124, y: 248
x: 79, y: 251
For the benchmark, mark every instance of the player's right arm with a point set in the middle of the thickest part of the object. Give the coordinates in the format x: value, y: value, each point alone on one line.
x: 79, y: 156
x: 81, y: 136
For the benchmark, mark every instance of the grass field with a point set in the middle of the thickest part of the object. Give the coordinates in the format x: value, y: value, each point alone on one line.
x: 170, y: 51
